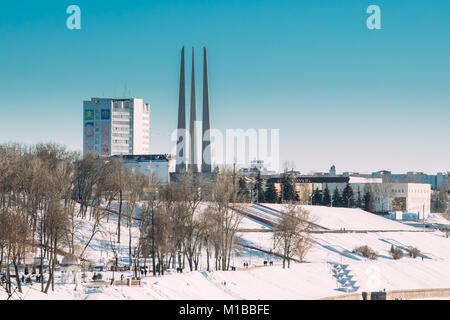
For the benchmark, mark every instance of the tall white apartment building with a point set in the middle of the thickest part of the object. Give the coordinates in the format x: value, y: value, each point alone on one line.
x: 116, y: 126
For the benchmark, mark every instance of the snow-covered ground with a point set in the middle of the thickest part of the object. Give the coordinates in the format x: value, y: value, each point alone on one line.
x: 330, y: 268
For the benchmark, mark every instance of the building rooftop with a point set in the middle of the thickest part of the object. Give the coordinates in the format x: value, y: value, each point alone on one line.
x: 143, y: 157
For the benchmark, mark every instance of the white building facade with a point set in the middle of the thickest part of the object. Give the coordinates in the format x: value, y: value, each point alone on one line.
x: 116, y: 126
x: 406, y: 197
x: 412, y: 198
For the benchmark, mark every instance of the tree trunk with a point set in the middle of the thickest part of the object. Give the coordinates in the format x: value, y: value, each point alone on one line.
x: 129, y: 243
x: 41, y: 269
x: 8, y: 278
x: 120, y: 216
x: 1, y: 260
x: 49, y: 276
x: 153, y: 244
x: 18, y: 282
x: 207, y: 258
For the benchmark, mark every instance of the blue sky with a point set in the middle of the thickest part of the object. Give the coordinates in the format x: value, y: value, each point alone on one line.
x: 340, y: 93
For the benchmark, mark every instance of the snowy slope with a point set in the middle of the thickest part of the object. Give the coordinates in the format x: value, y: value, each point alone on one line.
x: 311, y: 280
x: 350, y: 219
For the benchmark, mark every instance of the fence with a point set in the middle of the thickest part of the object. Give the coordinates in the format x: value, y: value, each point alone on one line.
x: 397, y: 295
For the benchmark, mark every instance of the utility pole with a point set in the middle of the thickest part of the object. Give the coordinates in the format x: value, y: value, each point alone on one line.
x: 257, y: 192
x: 282, y: 184
x: 423, y: 213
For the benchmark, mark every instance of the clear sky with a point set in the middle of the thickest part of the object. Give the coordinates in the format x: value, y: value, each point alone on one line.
x: 340, y: 93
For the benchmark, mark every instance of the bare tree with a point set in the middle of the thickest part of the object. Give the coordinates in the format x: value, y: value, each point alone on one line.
x: 135, y: 183
x: 191, y: 195
x: 225, y: 219
x: 291, y: 235
x: 149, y: 223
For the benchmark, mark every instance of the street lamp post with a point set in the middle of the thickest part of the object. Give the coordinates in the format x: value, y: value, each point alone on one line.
x: 257, y: 194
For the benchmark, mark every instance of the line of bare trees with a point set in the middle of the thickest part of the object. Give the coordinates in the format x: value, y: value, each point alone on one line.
x: 177, y: 233
x: 47, y: 192
x: 34, y: 219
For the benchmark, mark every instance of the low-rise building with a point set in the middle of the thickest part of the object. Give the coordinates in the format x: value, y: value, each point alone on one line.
x: 156, y: 165
x: 358, y: 184
x: 256, y: 166
x: 436, y: 181
x: 305, y: 185
x: 407, y: 197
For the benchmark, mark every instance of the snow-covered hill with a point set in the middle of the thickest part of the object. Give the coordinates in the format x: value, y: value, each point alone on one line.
x: 331, y: 268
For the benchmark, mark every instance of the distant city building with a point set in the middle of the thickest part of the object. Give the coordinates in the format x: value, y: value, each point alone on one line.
x: 441, y: 195
x: 255, y: 167
x: 172, y: 163
x: 354, y: 174
x: 405, y: 197
x: 305, y: 185
x: 156, y: 165
x: 442, y: 180
x: 436, y: 181
x: 116, y: 126
x: 358, y: 184
x: 387, y: 196
x: 333, y: 170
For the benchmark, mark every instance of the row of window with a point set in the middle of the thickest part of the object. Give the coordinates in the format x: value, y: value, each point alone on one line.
x: 126, y: 129
x: 121, y: 122
x: 122, y: 105
x: 121, y: 116
x: 419, y: 191
x: 120, y: 141
x: 412, y: 191
x: 121, y: 148
x: 121, y: 135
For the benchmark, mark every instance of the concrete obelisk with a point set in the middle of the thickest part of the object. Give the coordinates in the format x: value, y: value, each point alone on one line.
x: 193, y: 165
x: 206, y: 137
x: 181, y: 131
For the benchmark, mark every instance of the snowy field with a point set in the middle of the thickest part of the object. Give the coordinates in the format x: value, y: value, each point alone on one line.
x: 330, y: 269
